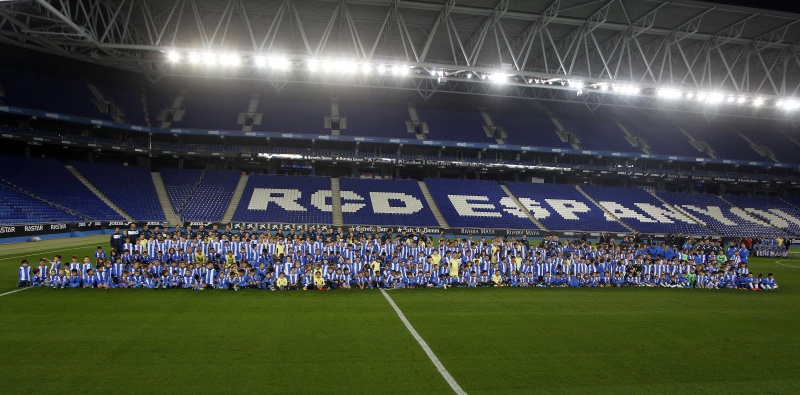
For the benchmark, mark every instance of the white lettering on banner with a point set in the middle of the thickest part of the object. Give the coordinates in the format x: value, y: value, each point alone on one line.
x: 381, y: 203
x: 58, y: 226
x: 567, y: 208
x: 535, y: 208
x: 773, y: 219
x: 710, y: 211
x: 512, y: 208
x: 465, y: 208
x: 8, y: 229
x: 665, y: 214
x: 285, y: 198
x: 33, y: 228
x: 785, y: 216
x: 621, y: 212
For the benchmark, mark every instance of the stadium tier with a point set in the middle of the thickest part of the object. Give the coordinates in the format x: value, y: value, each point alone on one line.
x: 642, y: 211
x: 384, y: 202
x: 287, y: 199
x: 719, y: 215
x: 662, y: 136
x: 531, y: 128
x: 50, y: 180
x: 596, y: 132
x: 771, y: 210
x: 19, y: 208
x: 375, y: 119
x: 563, y: 207
x: 200, y: 195
x: 476, y: 203
x: 454, y: 124
x: 130, y: 188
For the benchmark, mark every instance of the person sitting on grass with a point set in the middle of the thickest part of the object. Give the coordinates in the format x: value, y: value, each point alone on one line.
x: 769, y: 284
x: 319, y: 282
x: 282, y: 283
x: 496, y: 280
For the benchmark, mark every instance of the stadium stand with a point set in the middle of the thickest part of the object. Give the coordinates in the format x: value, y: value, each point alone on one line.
x: 130, y: 188
x: 719, y: 215
x: 375, y: 119
x: 643, y: 211
x: 476, y: 203
x: 50, y: 180
x: 294, y: 115
x: 532, y: 128
x: 720, y: 135
x: 562, y: 207
x: 771, y: 210
x: 19, y: 208
x: 286, y: 199
x: 454, y: 125
x: 383, y: 204
x: 662, y: 136
x: 596, y: 131
x: 200, y: 195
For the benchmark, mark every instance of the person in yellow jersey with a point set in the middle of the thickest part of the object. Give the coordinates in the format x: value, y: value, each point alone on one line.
x: 282, y: 283
x: 319, y: 282
x: 497, y: 279
x: 280, y: 248
x: 436, y: 257
x: 454, y: 263
x: 199, y: 257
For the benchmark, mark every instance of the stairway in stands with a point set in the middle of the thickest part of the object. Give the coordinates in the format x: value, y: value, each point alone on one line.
x: 336, y: 202
x: 429, y: 199
x: 522, y: 208
x: 163, y: 198
x: 99, y: 194
x: 682, y: 211
x: 607, y: 213
x: 235, y: 199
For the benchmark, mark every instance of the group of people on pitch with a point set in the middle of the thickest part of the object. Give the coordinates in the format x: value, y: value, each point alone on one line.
x: 403, y: 263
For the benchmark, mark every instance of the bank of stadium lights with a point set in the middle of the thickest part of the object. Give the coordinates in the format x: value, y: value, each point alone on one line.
x: 626, y: 89
x: 789, y: 105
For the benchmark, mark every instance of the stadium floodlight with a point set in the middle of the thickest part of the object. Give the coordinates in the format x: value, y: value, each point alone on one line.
x: 626, y: 89
x: 312, y: 65
x: 381, y: 69
x: 350, y: 66
x: 701, y: 96
x: 194, y: 58
x: 366, y: 68
x: 715, y: 98
x: 259, y: 61
x: 731, y: 99
x: 690, y: 95
x: 668, y: 93
x: 328, y: 66
x: 741, y: 100
x: 576, y: 84
x: 230, y: 60
x: 278, y: 62
x: 603, y: 87
x: 758, y: 102
x: 789, y: 105
x: 173, y: 57
x: 209, y: 59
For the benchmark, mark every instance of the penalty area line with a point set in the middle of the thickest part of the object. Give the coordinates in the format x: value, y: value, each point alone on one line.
x: 16, y: 290
x: 791, y: 260
x: 447, y: 377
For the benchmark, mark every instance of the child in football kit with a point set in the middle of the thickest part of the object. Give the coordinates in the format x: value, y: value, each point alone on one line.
x: 24, y: 274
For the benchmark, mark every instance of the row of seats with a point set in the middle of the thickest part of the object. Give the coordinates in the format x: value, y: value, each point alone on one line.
x: 384, y: 202
x: 129, y: 187
x: 286, y: 199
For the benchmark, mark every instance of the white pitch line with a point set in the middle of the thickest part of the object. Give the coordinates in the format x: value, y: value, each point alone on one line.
x: 16, y: 290
x: 450, y: 380
x: 46, y: 252
x: 783, y: 264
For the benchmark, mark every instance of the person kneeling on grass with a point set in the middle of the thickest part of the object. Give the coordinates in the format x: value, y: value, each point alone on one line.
x: 497, y: 280
x: 319, y: 282
x: 282, y: 283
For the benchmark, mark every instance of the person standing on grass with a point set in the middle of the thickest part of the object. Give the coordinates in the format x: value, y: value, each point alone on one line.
x: 24, y: 274
x: 744, y: 253
x: 117, y: 240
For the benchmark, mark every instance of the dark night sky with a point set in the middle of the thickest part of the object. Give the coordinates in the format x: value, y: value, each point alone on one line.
x: 777, y: 5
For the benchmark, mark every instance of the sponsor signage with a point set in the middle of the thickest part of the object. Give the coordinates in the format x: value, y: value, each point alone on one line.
x: 44, y: 229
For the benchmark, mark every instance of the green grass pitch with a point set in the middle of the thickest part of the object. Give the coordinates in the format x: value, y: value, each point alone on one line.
x: 492, y: 341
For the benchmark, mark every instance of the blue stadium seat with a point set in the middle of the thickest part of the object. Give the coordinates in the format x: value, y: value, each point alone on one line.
x: 285, y: 199
x: 130, y: 188
x: 476, y: 203
x: 385, y: 202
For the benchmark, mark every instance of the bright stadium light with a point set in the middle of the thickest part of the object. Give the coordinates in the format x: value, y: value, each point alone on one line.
x: 714, y: 98
x: 702, y: 96
x: 731, y: 99
x: 328, y: 66
x: 173, y: 57
x: 279, y: 63
x: 576, y: 84
x: 758, y: 102
x: 259, y: 61
x: 668, y: 93
x: 789, y: 105
x: 312, y: 65
x: 366, y: 68
x: 741, y: 100
x: 690, y: 95
x: 209, y: 59
x: 194, y: 58
x: 350, y: 66
x: 230, y: 60
x: 626, y: 89
x: 381, y: 69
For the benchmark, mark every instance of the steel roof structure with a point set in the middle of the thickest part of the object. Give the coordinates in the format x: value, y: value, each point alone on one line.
x: 537, y: 46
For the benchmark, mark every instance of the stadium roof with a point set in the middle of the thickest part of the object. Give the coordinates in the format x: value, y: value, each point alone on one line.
x: 696, y: 47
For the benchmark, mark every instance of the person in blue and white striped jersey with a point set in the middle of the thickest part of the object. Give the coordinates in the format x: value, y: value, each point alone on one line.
x: 24, y: 274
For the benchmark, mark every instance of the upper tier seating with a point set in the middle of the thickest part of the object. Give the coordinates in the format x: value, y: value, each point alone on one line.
x: 130, y: 188
x: 286, y: 199
x: 476, y: 203
x: 50, y: 180
x: 643, y: 211
x: 384, y: 202
x: 563, y: 207
x: 719, y: 215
